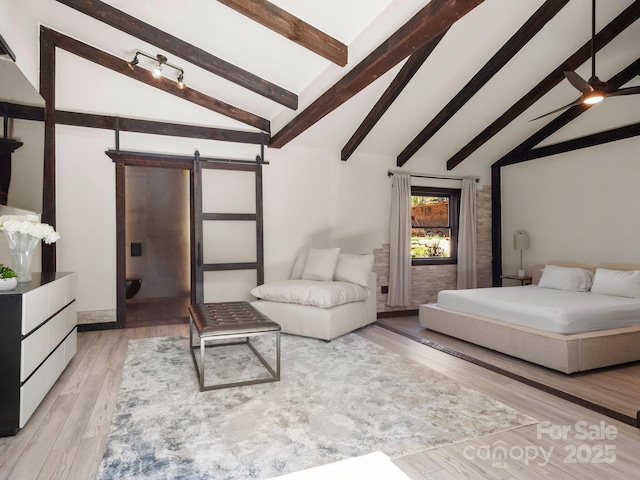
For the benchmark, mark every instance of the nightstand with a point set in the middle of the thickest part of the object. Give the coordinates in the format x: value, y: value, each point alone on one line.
x: 522, y: 280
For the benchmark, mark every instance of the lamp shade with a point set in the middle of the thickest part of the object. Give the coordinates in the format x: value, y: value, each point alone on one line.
x: 520, y: 240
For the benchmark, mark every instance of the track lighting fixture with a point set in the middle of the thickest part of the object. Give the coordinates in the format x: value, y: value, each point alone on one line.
x: 157, y: 69
x: 133, y: 62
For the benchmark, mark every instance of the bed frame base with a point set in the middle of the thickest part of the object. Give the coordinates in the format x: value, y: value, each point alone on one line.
x: 565, y: 353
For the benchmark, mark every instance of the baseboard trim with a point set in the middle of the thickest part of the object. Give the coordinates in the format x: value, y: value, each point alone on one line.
x: 397, y: 313
x: 93, y: 327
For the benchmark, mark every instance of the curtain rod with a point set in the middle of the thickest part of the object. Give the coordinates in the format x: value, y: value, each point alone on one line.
x: 425, y: 175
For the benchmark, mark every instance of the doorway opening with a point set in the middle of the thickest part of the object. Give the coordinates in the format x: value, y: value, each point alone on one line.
x: 157, y: 239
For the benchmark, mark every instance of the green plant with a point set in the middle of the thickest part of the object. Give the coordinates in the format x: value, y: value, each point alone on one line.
x: 6, y: 272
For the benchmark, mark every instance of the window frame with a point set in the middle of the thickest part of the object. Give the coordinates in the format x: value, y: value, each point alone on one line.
x: 454, y: 216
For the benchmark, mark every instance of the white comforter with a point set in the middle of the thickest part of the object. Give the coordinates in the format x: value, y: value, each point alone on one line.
x: 546, y: 309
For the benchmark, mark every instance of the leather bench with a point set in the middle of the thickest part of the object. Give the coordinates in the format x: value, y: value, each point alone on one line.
x: 230, y: 323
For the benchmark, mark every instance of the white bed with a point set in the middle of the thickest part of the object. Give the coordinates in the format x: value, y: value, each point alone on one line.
x: 564, y: 330
x: 556, y: 311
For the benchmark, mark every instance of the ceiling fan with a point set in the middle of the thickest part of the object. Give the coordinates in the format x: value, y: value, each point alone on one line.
x: 594, y: 90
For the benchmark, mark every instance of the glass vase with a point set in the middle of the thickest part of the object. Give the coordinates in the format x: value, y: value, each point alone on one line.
x: 22, y: 247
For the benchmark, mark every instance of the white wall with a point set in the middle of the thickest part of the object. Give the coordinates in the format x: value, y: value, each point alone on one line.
x: 580, y: 206
x: 86, y: 214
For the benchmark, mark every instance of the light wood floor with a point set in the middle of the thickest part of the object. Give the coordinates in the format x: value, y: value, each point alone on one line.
x: 616, y: 388
x: 66, y: 436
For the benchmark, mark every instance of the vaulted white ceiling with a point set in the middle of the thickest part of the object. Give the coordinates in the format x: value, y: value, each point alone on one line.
x: 362, y: 25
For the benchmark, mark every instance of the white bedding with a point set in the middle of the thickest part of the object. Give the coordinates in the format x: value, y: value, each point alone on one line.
x: 557, y: 311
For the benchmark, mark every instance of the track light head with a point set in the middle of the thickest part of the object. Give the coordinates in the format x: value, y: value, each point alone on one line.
x: 181, y: 81
x: 133, y: 62
x: 157, y: 71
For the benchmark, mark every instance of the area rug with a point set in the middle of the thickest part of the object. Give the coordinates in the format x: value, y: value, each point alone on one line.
x: 335, y: 400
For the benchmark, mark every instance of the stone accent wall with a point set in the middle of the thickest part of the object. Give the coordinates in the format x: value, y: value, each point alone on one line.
x: 428, y: 280
x: 483, y: 236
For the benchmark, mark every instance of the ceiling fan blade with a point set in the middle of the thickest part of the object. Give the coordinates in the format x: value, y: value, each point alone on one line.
x: 578, y: 82
x: 577, y: 102
x: 624, y: 91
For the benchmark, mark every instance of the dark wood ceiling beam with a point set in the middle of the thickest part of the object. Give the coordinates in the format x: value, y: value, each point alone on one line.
x: 594, y: 139
x: 5, y: 50
x: 289, y: 26
x: 157, y: 128
x: 169, y: 43
x: 436, y: 17
x: 90, y: 120
x: 23, y: 112
x: 118, y: 65
x: 402, y: 79
x: 517, y: 155
x: 526, y: 32
x: 608, y: 33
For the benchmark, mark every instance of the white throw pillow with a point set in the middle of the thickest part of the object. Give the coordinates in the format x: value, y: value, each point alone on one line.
x: 298, y: 266
x: 311, y: 292
x: 320, y: 264
x: 619, y: 283
x: 354, y: 268
x: 566, y: 278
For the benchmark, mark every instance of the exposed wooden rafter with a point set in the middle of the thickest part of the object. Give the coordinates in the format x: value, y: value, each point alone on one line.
x: 606, y: 136
x: 5, y: 50
x: 174, y: 45
x: 157, y: 128
x: 436, y: 17
x: 108, y: 122
x: 280, y: 21
x: 519, y: 153
x: 525, y: 33
x: 22, y: 112
x: 118, y: 65
x: 608, y: 33
x: 402, y: 79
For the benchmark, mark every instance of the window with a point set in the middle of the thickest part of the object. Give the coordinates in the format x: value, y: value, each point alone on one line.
x: 434, y: 225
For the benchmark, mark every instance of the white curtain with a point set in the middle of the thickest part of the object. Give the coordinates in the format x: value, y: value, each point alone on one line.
x: 467, y: 270
x: 400, y: 242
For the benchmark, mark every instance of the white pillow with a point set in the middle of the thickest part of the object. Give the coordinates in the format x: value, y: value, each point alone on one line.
x: 310, y: 292
x: 619, y: 283
x: 566, y: 278
x: 320, y: 264
x: 298, y: 266
x: 354, y: 268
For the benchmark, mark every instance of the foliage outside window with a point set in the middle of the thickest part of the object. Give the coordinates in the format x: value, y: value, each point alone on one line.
x: 434, y: 225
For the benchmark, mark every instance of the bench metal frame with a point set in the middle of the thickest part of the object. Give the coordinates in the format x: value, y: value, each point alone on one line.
x: 223, y: 337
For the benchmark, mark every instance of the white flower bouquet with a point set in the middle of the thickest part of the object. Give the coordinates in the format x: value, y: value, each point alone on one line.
x: 28, y: 225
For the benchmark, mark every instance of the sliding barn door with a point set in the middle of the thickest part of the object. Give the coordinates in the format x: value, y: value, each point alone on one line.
x: 228, y: 230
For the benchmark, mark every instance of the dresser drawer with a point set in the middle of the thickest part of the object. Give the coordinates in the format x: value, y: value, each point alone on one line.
x: 35, y: 308
x: 35, y: 349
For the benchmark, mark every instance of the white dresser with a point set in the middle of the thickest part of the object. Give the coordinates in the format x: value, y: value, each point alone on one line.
x: 37, y: 342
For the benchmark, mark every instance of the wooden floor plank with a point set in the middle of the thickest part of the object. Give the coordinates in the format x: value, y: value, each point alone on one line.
x: 58, y: 464
x: 76, y: 424
x: 88, y: 458
x: 102, y: 411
